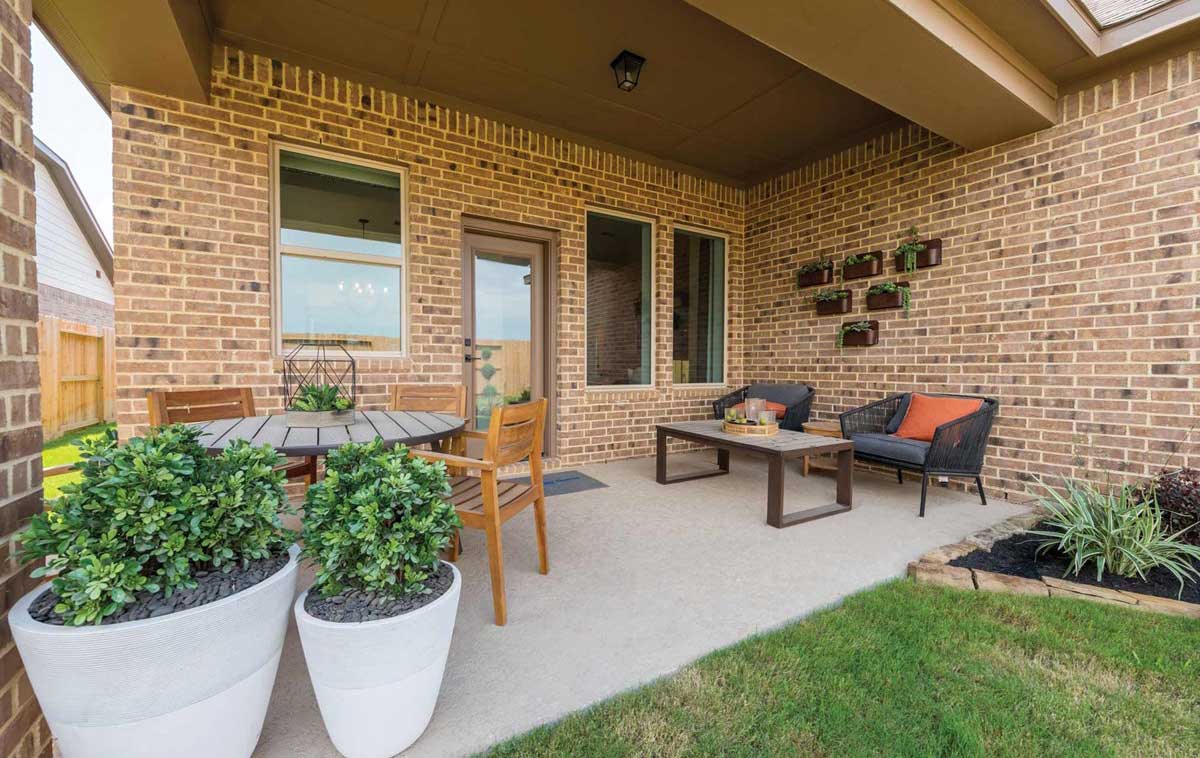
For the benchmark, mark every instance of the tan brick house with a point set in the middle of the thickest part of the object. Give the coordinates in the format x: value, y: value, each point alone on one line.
x: 1058, y: 168
x: 1053, y: 147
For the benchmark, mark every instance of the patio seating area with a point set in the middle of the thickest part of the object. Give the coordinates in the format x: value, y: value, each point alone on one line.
x: 643, y: 579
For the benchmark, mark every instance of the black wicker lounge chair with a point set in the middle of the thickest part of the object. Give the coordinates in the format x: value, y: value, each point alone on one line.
x: 956, y: 450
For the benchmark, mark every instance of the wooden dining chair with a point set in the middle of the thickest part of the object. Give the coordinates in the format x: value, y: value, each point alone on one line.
x: 435, y: 398
x: 189, y: 406
x: 486, y: 502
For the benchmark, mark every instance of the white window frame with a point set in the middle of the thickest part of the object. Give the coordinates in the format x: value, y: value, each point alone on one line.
x: 278, y: 249
x: 711, y: 234
x: 653, y: 222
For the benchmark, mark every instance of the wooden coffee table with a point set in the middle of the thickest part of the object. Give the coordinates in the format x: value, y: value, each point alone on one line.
x: 776, y: 448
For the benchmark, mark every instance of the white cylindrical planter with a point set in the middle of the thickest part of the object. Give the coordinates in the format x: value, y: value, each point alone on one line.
x: 190, y: 684
x: 378, y: 681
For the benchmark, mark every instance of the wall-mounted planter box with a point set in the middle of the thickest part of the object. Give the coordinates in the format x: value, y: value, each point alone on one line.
x: 861, y: 339
x: 815, y: 278
x: 887, y: 300
x: 832, y: 307
x: 930, y: 256
x: 862, y: 270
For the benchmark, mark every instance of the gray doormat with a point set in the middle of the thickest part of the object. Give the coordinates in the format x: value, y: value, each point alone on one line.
x: 565, y: 482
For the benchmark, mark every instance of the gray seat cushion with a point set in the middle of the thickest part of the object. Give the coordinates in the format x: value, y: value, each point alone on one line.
x: 784, y: 394
x: 898, y: 417
x: 888, y: 446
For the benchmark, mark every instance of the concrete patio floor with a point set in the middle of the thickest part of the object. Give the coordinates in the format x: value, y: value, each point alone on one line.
x: 643, y: 579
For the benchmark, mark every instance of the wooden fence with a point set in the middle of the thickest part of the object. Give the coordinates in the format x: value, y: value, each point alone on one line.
x: 78, y: 375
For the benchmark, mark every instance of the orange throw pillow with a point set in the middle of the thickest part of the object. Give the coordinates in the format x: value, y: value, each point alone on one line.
x: 927, y: 413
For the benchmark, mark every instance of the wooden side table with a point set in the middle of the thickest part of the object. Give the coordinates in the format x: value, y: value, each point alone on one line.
x: 823, y: 429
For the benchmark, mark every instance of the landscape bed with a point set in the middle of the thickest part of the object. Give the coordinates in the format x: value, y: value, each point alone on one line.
x: 1017, y: 555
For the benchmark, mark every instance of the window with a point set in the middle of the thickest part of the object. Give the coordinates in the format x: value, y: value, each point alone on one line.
x: 341, y: 228
x: 619, y: 300
x: 698, y: 313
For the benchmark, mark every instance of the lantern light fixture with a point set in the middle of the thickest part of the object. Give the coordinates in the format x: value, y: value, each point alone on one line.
x: 628, y: 67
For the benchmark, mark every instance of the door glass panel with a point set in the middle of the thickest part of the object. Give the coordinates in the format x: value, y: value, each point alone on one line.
x: 503, y: 333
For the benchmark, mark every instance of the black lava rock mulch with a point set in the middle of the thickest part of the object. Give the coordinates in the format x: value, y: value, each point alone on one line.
x: 210, y: 587
x: 352, y: 606
x: 1017, y: 556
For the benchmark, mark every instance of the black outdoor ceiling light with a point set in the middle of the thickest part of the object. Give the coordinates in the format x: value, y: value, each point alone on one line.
x: 627, y: 66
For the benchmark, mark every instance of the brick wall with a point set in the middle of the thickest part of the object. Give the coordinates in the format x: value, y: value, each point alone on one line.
x: 22, y: 730
x: 191, y: 231
x: 1069, y: 287
x: 72, y: 306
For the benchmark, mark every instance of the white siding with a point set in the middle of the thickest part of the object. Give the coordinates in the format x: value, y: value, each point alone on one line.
x: 64, y: 258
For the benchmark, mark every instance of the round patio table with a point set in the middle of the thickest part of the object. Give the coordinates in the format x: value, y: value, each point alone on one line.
x: 408, y: 427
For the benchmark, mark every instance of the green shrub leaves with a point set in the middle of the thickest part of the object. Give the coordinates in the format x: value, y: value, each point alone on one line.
x: 377, y: 521
x: 149, y: 513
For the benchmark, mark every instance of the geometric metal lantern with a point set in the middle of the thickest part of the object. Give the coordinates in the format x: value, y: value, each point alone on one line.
x: 319, y: 367
x: 628, y: 67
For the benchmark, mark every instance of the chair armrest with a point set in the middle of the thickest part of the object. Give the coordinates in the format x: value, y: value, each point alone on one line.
x: 472, y: 434
x: 454, y: 460
x: 872, y: 417
x: 959, y: 445
x: 796, y: 415
x: 728, y: 401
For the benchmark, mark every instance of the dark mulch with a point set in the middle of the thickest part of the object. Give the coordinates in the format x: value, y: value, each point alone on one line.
x: 1017, y: 556
x: 353, y: 606
x: 210, y: 587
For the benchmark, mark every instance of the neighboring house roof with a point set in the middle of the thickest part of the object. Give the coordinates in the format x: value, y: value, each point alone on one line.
x: 60, y: 172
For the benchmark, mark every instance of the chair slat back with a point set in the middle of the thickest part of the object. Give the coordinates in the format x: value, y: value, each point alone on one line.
x: 187, y: 406
x: 515, y: 432
x: 436, y: 398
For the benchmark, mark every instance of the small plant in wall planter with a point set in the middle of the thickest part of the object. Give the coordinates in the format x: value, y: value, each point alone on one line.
x: 858, y: 334
x: 862, y: 266
x: 914, y: 253
x: 815, y: 273
x: 170, y: 567
x: 833, y: 301
x: 376, y: 624
x: 889, y: 295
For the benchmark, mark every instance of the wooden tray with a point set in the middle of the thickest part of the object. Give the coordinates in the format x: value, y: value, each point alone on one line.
x: 753, y: 429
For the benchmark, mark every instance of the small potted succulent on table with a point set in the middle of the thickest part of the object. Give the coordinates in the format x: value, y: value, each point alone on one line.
x: 830, y: 302
x: 887, y: 295
x: 376, y: 624
x: 815, y: 273
x: 161, y: 630
x: 320, y: 405
x: 858, y: 334
x: 914, y: 253
x: 862, y: 266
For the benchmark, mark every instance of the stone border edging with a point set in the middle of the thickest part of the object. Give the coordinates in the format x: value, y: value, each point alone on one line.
x: 933, y: 568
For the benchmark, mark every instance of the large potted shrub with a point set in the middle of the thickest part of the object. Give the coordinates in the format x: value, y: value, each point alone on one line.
x: 161, y: 631
x: 377, y: 622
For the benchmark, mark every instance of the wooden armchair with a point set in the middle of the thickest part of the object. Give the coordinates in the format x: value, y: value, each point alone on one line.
x: 189, y: 406
x: 485, y: 501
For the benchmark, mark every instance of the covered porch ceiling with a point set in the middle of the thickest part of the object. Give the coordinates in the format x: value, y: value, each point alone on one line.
x: 739, y: 90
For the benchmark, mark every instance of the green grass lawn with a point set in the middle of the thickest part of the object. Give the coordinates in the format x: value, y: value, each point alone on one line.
x: 916, y: 670
x: 59, y: 451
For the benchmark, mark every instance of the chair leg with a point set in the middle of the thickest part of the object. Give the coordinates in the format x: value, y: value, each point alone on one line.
x: 804, y: 467
x: 924, y: 489
x: 455, y: 547
x: 900, y: 475
x: 539, y: 522
x: 979, y: 484
x: 496, y: 568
